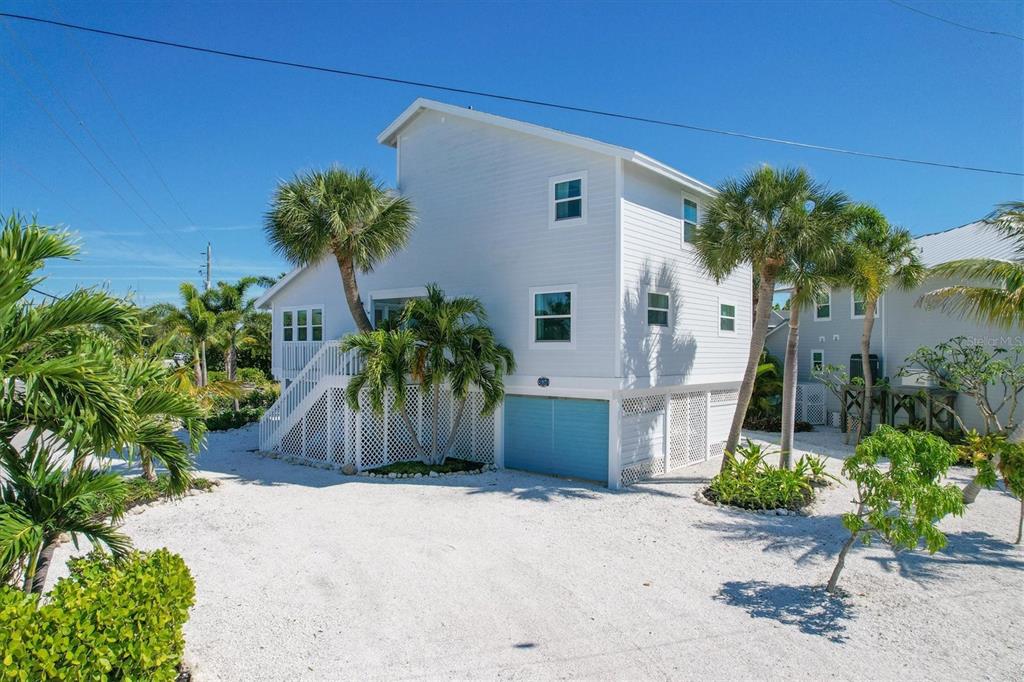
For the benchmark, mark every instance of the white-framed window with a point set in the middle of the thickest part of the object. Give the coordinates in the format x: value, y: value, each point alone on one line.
x: 823, y: 306
x: 858, y: 306
x: 658, y: 307
x: 553, y: 316
x: 817, y: 359
x: 567, y: 199
x: 691, y: 216
x: 726, y: 317
x: 302, y: 323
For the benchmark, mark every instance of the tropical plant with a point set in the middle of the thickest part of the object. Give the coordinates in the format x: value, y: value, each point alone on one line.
x: 766, y: 400
x: 880, y: 257
x: 760, y: 220
x: 351, y: 216
x: 899, y: 505
x: 813, y: 265
x: 196, y: 322
x: 749, y: 482
x: 441, y: 341
x: 997, y: 295
x: 234, y: 310
x: 993, y: 456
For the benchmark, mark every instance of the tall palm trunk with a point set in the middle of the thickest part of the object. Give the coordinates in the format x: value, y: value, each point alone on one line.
x: 230, y: 365
x: 765, y: 292
x: 868, y: 403
x: 407, y: 421
x: 43, y: 561
x: 435, y: 421
x: 789, y: 374
x: 456, y: 424
x: 206, y: 372
x: 148, y: 467
x: 197, y: 367
x: 348, y: 281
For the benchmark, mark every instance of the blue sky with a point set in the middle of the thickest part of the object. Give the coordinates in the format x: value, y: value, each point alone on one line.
x: 865, y: 75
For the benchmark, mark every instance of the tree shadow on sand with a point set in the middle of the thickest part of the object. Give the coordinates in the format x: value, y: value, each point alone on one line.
x: 967, y: 548
x: 807, y: 607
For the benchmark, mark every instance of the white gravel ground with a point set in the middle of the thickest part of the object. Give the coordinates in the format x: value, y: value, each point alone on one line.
x: 307, y: 574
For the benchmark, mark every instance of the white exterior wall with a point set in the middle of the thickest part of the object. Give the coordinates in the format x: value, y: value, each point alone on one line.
x: 691, y: 350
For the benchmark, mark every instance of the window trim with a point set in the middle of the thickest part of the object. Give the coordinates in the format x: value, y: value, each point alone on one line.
x: 573, y: 307
x: 647, y: 309
x: 735, y: 317
x: 817, y: 351
x: 310, y: 307
x: 829, y: 304
x: 567, y: 222
x: 682, y: 220
x: 853, y: 307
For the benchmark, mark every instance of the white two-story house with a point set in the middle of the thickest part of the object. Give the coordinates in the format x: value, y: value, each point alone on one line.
x: 628, y: 356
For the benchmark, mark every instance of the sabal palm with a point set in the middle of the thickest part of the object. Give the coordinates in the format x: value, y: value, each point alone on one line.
x: 763, y: 219
x: 351, y: 216
x: 999, y: 300
x: 455, y: 345
x: 881, y: 257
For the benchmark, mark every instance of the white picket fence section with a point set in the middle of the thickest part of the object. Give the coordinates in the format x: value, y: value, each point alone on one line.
x: 810, y: 403
x: 329, y: 361
x: 662, y: 432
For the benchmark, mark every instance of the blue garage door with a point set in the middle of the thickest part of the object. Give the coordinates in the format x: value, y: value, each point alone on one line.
x: 560, y: 436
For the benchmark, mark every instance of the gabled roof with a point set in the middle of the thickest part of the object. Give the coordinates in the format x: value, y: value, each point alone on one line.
x: 265, y: 297
x: 389, y: 137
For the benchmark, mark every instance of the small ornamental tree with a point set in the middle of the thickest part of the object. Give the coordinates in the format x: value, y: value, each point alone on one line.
x: 995, y: 457
x: 901, y: 505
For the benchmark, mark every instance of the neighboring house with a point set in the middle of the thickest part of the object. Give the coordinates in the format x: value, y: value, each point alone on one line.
x: 831, y: 331
x: 628, y: 356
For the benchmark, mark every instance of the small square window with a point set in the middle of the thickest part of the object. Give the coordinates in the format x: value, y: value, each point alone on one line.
x: 690, y: 219
x: 657, y: 309
x: 568, y: 197
x: 817, y: 360
x: 726, y: 317
x: 552, y: 313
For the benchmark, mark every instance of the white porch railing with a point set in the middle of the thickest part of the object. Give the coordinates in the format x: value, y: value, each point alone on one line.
x: 329, y: 360
x: 295, y: 355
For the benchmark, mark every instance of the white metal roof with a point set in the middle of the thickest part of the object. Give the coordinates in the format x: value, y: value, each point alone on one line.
x: 974, y: 240
x: 389, y: 136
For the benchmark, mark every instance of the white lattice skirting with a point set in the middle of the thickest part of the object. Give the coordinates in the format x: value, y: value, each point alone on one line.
x: 329, y: 432
x: 664, y: 432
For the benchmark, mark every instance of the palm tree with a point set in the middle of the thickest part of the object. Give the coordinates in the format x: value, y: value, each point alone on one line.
x: 233, y: 310
x: 351, y: 216
x: 454, y: 345
x: 812, y: 265
x: 761, y: 220
x: 881, y: 256
x: 999, y: 299
x: 196, y: 322
x: 440, y: 341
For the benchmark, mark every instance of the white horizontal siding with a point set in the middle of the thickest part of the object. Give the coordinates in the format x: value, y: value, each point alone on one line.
x: 691, y: 350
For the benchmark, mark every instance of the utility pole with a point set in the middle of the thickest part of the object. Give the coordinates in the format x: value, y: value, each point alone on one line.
x: 209, y: 266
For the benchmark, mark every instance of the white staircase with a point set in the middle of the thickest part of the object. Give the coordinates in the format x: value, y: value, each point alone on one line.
x: 295, y: 400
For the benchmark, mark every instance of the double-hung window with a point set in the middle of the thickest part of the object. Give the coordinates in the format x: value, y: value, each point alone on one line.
x: 690, y: 219
x: 568, y: 199
x: 303, y: 324
x: 726, y: 318
x: 657, y: 309
x: 859, y: 306
x: 817, y: 360
x: 552, y: 315
x: 823, y: 306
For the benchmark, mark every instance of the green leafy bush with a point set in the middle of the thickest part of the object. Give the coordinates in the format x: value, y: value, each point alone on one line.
x: 252, y: 375
x: 135, y: 491
x: 749, y: 482
x: 899, y: 505
x: 106, y: 621
x: 773, y: 424
x: 263, y: 396
x: 231, y: 419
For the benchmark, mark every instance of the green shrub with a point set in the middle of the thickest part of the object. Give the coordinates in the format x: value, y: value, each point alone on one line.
x: 106, y: 621
x: 230, y: 419
x: 217, y: 375
x: 135, y: 491
x: 263, y: 396
x: 901, y: 503
x: 749, y: 482
x: 773, y: 424
x: 252, y: 375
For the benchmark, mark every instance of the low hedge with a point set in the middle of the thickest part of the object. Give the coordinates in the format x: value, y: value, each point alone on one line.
x: 772, y: 424
x: 135, y: 491
x: 106, y: 621
x: 232, y: 419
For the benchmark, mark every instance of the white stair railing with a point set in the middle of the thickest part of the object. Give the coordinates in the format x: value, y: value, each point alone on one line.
x: 330, y: 360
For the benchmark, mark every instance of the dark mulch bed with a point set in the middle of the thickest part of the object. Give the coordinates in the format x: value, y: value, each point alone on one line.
x: 450, y: 466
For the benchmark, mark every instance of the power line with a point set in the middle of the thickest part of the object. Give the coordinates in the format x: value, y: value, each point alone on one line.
x: 955, y: 23
x: 82, y: 153
x: 124, y: 121
x: 81, y: 122
x: 509, y: 98
x: 43, y: 293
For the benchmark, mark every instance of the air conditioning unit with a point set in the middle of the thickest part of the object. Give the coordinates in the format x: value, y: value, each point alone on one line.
x: 918, y: 378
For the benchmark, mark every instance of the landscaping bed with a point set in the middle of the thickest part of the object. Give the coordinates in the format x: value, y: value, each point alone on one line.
x: 139, y: 491
x: 452, y: 465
